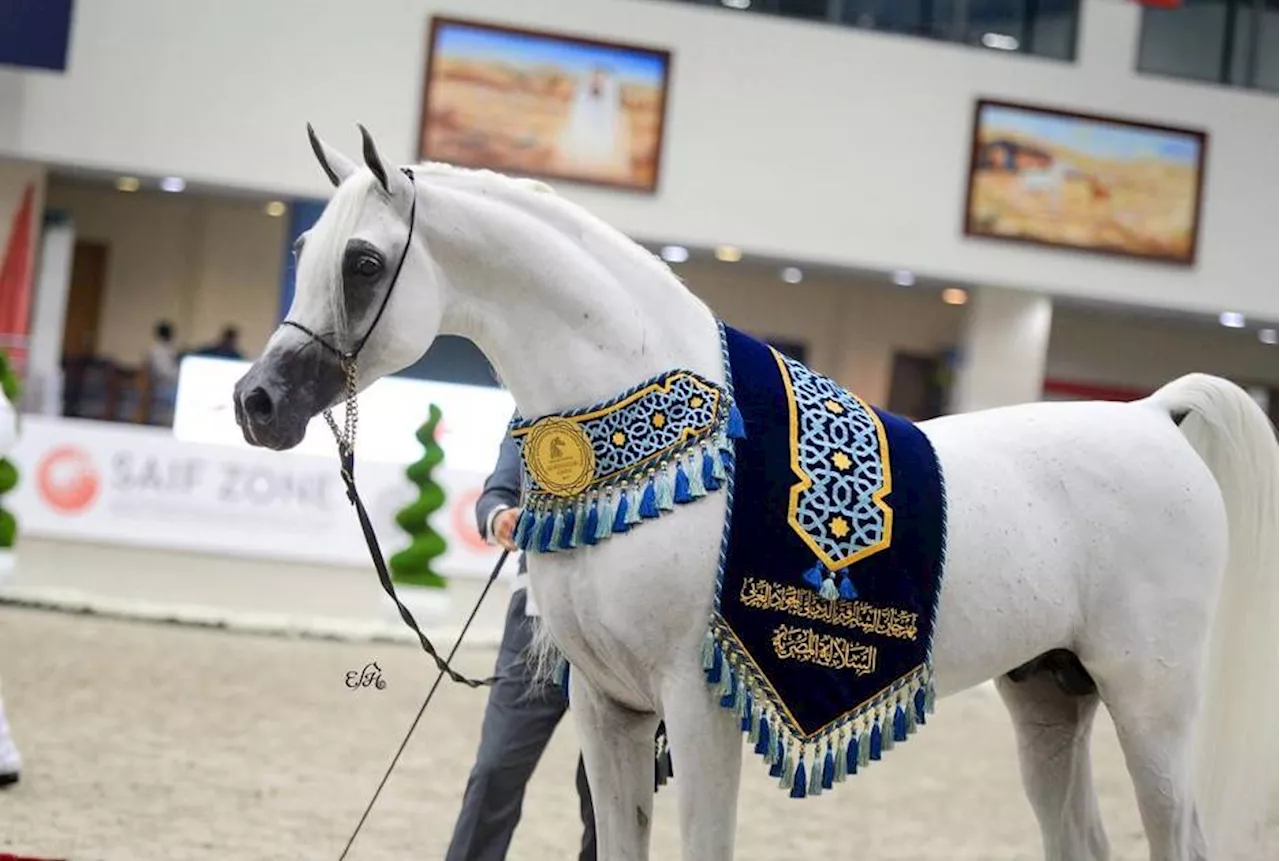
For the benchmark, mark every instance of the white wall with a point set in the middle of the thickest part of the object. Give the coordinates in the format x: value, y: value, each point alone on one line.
x: 200, y: 262
x: 796, y: 139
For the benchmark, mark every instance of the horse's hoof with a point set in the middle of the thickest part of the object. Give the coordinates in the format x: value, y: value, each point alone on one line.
x: 9, y: 778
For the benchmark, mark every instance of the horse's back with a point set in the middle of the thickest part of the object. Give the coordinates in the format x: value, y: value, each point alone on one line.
x: 1062, y: 517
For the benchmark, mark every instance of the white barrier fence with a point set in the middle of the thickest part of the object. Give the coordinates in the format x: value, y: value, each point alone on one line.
x: 142, y: 486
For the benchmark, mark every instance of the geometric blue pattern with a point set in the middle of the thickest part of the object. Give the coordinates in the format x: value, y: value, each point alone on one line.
x: 841, y: 458
x: 632, y: 435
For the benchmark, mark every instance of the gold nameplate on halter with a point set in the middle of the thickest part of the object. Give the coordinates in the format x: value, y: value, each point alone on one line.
x: 558, y: 455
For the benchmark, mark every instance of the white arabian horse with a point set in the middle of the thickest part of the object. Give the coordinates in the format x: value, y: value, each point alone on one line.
x: 1138, y: 539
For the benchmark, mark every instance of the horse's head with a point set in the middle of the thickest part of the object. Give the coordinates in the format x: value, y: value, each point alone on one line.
x: 362, y: 273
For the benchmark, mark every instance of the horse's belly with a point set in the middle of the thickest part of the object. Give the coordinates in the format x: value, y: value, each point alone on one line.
x: 1052, y: 511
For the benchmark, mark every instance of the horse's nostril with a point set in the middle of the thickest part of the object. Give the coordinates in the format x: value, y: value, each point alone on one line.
x: 259, y: 406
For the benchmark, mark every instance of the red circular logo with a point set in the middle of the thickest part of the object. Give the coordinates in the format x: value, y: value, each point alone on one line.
x: 464, y: 523
x: 67, y: 479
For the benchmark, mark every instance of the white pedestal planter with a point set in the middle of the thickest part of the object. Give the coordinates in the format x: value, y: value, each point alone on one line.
x: 429, y: 606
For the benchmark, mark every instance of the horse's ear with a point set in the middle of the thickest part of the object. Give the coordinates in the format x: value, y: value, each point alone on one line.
x: 374, y: 161
x: 336, y: 165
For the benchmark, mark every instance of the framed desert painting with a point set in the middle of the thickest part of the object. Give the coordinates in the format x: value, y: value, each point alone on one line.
x: 1085, y: 182
x: 543, y: 104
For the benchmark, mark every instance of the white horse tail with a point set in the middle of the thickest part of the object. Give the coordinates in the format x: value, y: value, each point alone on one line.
x: 1236, y: 741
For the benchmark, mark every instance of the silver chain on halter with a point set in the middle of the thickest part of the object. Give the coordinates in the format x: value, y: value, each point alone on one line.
x: 346, y: 437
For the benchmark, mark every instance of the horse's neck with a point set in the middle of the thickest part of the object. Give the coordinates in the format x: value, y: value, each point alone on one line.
x: 569, y: 314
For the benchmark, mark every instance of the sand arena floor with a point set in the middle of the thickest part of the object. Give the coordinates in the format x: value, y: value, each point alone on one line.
x: 156, y: 741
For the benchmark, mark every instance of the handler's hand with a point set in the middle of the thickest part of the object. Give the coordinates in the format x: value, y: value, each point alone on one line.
x: 504, y: 527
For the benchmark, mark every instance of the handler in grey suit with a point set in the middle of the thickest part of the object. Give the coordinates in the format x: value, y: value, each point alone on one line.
x: 521, y: 714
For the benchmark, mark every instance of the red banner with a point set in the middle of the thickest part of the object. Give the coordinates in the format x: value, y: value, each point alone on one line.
x: 16, y: 267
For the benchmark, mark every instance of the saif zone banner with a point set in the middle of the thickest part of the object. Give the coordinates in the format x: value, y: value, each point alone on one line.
x: 133, y: 485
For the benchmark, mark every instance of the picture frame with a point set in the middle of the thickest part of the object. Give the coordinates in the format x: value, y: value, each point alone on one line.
x: 1085, y: 182
x: 543, y: 104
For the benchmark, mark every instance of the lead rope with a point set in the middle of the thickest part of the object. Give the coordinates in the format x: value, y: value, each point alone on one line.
x: 346, y: 440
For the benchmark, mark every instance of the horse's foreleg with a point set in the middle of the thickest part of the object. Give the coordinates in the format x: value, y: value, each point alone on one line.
x: 618, y: 752
x: 706, y: 757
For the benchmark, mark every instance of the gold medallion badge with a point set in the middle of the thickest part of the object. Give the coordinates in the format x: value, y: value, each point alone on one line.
x: 559, y: 456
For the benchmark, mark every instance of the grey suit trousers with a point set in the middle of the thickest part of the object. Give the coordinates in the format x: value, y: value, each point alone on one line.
x: 519, y: 720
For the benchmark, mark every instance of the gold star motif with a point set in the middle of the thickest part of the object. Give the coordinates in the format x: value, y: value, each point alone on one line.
x: 658, y: 420
x: 841, y: 460
x: 619, y: 438
x: 839, y: 527
x: 834, y: 406
x: 695, y: 401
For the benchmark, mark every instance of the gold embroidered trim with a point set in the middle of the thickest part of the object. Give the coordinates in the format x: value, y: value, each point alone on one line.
x: 804, y: 603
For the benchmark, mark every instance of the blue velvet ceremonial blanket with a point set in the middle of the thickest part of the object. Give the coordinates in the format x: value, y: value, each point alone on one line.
x: 832, y: 551
x: 824, y: 610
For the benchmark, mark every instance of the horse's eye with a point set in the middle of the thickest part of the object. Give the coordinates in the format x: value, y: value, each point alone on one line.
x: 368, y: 266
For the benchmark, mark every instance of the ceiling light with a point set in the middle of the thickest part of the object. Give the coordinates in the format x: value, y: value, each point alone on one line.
x: 128, y: 183
x: 1231, y: 319
x: 728, y: 253
x: 675, y: 253
x: 955, y: 296
x: 1000, y: 41
x: 173, y: 183
x: 1267, y: 336
x: 792, y: 275
x: 275, y: 209
x: 903, y: 278
x: 737, y: 4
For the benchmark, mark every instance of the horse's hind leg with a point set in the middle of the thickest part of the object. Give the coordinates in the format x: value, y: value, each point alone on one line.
x: 1154, y: 714
x: 1052, y: 728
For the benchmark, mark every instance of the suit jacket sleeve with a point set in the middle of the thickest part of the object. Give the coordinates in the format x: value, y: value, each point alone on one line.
x: 502, y: 487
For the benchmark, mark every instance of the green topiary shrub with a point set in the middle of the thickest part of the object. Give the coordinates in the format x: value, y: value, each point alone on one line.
x: 412, y: 566
x: 8, y: 472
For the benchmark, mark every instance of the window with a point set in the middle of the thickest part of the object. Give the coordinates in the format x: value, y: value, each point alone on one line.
x: 1045, y: 28
x: 1229, y: 42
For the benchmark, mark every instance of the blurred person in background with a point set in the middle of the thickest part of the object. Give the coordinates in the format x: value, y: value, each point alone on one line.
x: 162, y: 358
x: 226, y: 347
x: 521, y: 713
x: 10, y: 758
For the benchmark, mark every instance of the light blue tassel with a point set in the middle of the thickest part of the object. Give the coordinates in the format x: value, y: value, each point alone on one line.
x: 717, y: 463
x: 663, y: 490
x: 816, y: 769
x: 557, y: 531
x: 752, y: 720
x: 737, y: 428
x: 888, y: 734
x: 788, y: 766
x: 604, y: 524
x: 842, y: 757
x: 828, y: 589
x: 633, y: 510
x: 909, y: 710
x: 696, y: 490
x: 775, y: 765
x: 535, y: 532
x: 928, y: 697
x: 708, y: 651
x: 763, y: 738
x: 579, y: 522
x: 864, y: 748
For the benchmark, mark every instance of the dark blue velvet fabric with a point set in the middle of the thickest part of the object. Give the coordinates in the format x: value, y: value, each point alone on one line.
x: 763, y: 546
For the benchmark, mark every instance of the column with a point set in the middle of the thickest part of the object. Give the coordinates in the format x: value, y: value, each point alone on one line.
x: 1003, y: 346
x: 49, y: 316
